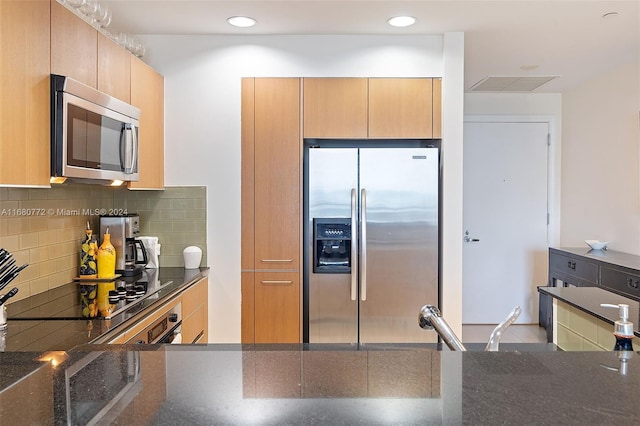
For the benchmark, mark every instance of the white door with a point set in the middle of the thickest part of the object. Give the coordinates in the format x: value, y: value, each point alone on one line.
x: 505, y: 214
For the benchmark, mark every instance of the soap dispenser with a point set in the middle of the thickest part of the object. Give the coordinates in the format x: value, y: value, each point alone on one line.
x: 622, y: 329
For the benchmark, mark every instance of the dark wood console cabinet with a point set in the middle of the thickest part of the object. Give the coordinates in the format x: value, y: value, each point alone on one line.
x: 581, y: 267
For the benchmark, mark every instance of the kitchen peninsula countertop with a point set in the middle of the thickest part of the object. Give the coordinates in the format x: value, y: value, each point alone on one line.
x: 588, y: 299
x: 284, y: 384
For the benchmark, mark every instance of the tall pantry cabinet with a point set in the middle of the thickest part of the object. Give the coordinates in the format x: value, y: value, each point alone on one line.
x: 271, y: 215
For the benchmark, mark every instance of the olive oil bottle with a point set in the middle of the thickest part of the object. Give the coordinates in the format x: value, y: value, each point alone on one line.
x: 106, y: 257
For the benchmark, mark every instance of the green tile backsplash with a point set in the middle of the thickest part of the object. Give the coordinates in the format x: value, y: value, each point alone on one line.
x: 43, y: 227
x: 177, y: 216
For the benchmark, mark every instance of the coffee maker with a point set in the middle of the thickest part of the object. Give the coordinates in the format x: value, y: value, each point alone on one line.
x: 124, y: 230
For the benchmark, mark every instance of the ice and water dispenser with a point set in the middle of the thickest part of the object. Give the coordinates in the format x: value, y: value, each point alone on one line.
x: 332, y: 245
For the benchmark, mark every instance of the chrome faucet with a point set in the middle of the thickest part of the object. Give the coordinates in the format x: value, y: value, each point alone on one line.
x: 430, y: 318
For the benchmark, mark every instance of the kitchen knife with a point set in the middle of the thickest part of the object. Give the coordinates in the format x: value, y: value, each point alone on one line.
x: 8, y: 268
x: 7, y: 260
x: 8, y: 295
x: 14, y: 270
x: 6, y: 280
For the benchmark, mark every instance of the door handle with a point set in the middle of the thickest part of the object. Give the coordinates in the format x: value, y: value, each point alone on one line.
x: 354, y: 244
x: 468, y: 239
x: 363, y: 244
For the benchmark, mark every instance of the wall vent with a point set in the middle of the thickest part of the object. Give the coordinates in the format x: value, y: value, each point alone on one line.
x: 511, y: 83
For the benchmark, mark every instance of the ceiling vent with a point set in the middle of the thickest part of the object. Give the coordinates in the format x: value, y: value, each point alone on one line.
x: 511, y: 83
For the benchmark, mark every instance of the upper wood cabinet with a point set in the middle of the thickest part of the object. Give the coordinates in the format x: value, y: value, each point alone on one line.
x: 74, y: 51
x: 24, y: 88
x: 277, y: 173
x: 400, y: 108
x: 335, y: 108
x: 437, y: 108
x: 114, y: 69
x: 147, y: 93
x: 373, y: 108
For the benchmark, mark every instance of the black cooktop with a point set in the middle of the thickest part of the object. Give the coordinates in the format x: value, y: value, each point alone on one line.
x: 87, y: 300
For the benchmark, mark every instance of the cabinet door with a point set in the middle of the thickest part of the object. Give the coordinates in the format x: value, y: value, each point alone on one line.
x: 277, y: 307
x: 247, y: 322
x: 74, y: 46
x: 437, y: 108
x: 195, y: 313
x: 335, y: 108
x: 147, y: 93
x: 114, y: 69
x: 277, y: 173
x: 400, y: 108
x: 24, y: 85
x: 247, y: 237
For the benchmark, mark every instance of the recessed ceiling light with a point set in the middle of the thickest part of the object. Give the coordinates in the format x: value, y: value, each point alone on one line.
x: 401, y: 21
x: 241, y: 21
x: 610, y: 15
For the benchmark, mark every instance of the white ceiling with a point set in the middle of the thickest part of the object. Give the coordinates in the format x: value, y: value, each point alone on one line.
x: 570, y: 39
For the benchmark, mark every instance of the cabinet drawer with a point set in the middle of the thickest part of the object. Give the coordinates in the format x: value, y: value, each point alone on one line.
x: 621, y: 281
x: 573, y: 271
x: 277, y: 307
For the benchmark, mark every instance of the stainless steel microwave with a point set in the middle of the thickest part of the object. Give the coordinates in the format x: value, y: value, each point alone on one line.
x: 94, y: 136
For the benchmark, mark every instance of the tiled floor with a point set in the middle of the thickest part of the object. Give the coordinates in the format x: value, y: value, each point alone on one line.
x: 515, y: 333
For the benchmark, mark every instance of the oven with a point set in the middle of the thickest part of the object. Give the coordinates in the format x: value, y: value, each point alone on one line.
x: 164, y: 329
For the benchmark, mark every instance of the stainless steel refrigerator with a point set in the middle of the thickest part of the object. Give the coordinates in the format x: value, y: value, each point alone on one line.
x: 371, y: 243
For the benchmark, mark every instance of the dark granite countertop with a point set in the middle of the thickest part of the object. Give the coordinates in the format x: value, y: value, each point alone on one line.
x: 588, y: 299
x: 62, y: 330
x: 35, y: 336
x: 290, y: 385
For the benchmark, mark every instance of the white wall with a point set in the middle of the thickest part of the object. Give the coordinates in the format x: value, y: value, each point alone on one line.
x: 600, y: 161
x: 202, y: 121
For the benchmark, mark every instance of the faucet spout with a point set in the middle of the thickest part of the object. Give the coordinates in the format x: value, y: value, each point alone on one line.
x: 430, y: 319
x: 496, y: 334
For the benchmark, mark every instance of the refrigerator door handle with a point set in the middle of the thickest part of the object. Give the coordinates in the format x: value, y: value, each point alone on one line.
x: 354, y: 244
x: 363, y: 244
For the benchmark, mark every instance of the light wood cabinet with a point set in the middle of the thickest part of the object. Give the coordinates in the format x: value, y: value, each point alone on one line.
x: 247, y: 321
x: 271, y: 202
x: 114, y: 69
x: 400, y: 108
x: 373, y: 108
x: 147, y: 93
x: 437, y: 108
x: 195, y: 313
x: 277, y: 173
x: 24, y: 85
x: 74, y: 46
x: 277, y: 307
x: 335, y: 108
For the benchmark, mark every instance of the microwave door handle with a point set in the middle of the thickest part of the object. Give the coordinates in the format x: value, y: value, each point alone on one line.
x: 134, y: 148
x: 128, y: 148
